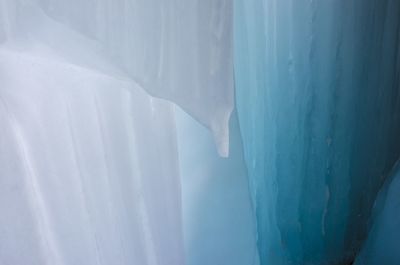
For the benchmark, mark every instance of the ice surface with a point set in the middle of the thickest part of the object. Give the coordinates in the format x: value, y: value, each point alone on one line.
x: 218, y: 218
x: 317, y: 90
x: 383, y: 243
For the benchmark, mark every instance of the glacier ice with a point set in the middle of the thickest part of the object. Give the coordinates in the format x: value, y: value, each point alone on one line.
x: 317, y: 93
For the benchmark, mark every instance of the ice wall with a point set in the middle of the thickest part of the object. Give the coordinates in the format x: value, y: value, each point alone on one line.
x: 318, y: 101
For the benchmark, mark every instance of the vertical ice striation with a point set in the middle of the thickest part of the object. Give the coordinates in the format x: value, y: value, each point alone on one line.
x: 319, y: 109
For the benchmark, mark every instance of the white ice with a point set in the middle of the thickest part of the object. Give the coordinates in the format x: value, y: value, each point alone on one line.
x: 89, y: 168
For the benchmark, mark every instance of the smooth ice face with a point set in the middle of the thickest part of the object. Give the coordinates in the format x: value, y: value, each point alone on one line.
x: 318, y: 102
x: 382, y: 245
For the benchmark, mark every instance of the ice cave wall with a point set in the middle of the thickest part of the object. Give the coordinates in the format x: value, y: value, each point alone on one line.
x: 317, y: 92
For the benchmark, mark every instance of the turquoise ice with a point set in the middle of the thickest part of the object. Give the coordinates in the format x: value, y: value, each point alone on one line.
x: 317, y: 92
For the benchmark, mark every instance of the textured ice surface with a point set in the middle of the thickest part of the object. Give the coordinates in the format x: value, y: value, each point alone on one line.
x: 219, y: 223
x: 383, y: 243
x: 319, y: 103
